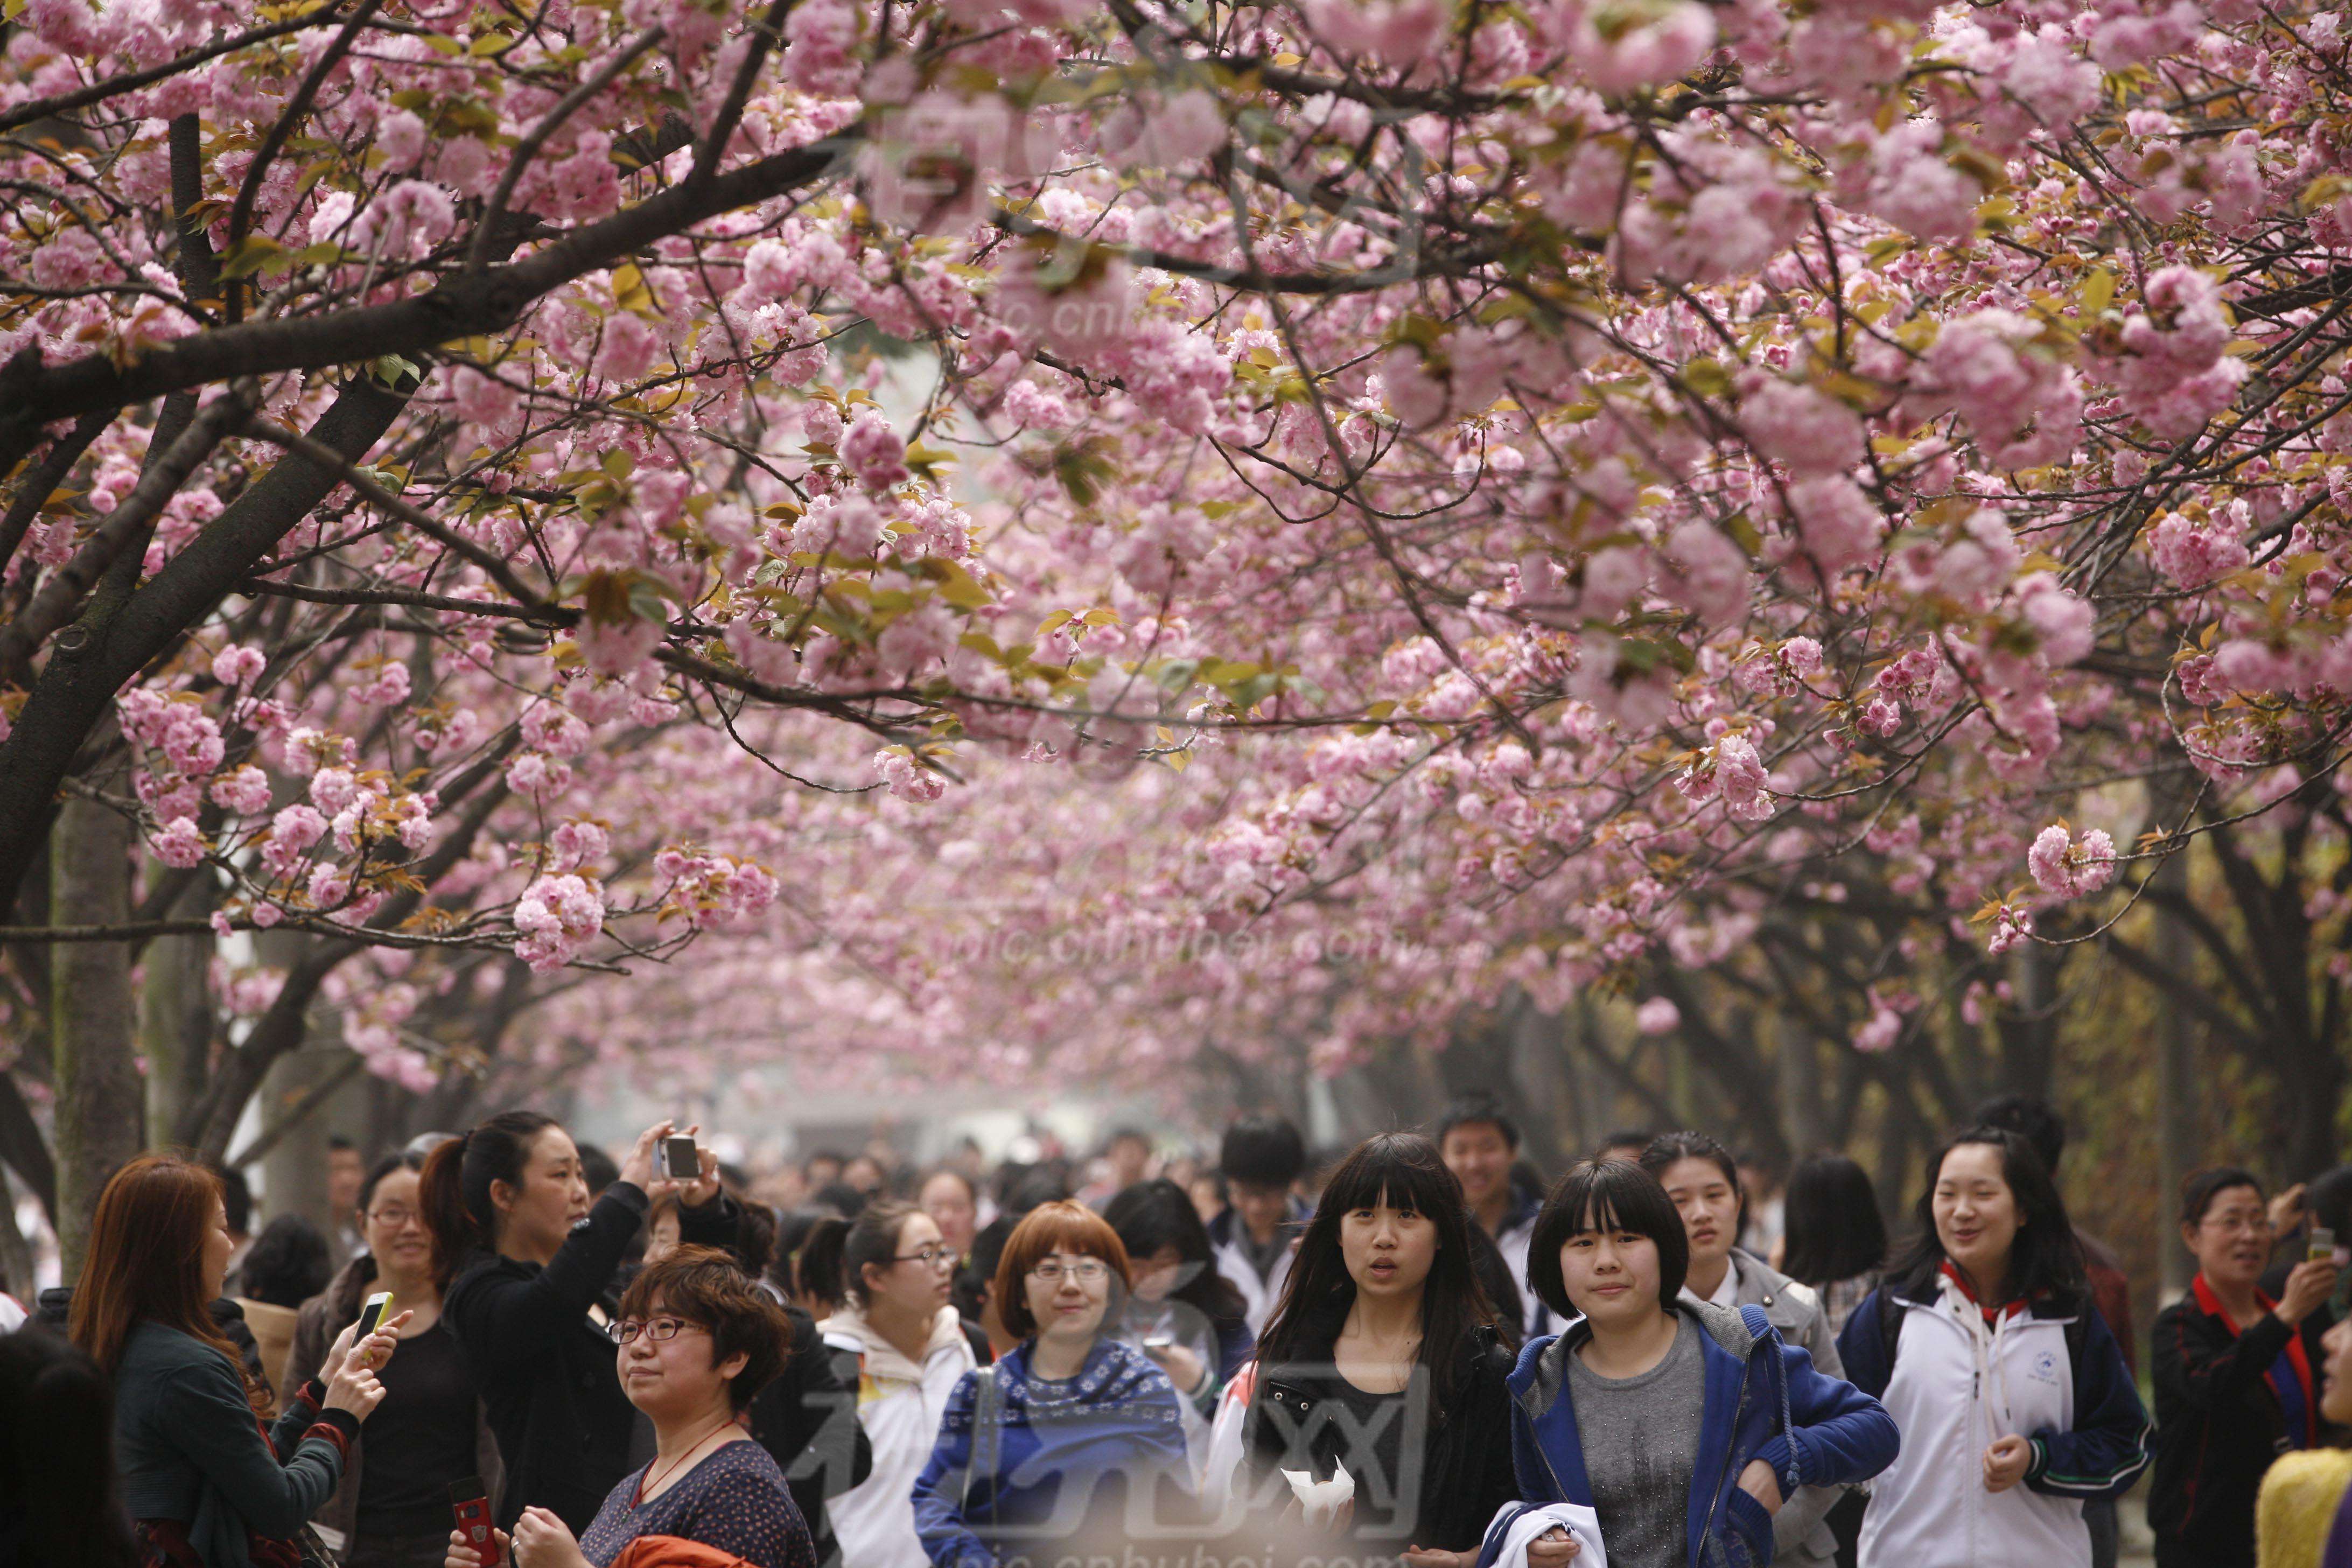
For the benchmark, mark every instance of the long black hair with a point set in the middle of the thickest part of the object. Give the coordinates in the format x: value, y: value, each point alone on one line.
x: 1833, y: 1225
x: 1158, y: 1214
x: 1402, y: 1170
x: 2045, y: 1262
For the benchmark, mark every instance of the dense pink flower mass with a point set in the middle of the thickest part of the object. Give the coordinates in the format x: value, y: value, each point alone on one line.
x: 1078, y: 531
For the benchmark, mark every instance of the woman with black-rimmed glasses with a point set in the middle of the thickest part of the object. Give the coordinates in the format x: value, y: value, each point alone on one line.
x: 910, y: 1348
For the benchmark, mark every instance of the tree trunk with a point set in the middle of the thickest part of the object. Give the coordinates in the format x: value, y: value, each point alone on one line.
x: 2027, y: 1053
x: 2176, y: 1061
x: 175, y: 1015
x: 98, y: 1094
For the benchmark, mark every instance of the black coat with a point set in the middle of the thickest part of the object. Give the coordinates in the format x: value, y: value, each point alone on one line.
x: 1465, y: 1472
x: 54, y: 1306
x: 807, y: 1420
x: 546, y: 1370
x: 2218, y: 1427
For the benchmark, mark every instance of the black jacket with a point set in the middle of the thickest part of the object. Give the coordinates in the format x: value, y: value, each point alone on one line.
x: 1465, y: 1472
x: 546, y: 1370
x: 807, y: 1420
x: 2218, y: 1427
x: 54, y: 1308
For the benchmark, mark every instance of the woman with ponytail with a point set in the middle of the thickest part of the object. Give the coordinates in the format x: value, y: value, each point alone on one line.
x: 205, y: 1484
x: 527, y: 1268
x: 910, y: 1350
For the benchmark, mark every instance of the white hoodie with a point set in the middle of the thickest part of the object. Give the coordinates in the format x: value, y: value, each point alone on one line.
x: 900, y: 1405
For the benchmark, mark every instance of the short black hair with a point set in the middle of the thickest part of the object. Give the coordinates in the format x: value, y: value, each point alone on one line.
x: 2032, y: 1118
x: 1627, y: 1138
x: 1473, y: 1108
x: 2328, y: 1199
x: 337, y: 1144
x: 1128, y: 1134
x: 287, y: 1264
x: 1265, y: 1150
x: 237, y: 1198
x: 598, y: 1169
x: 1613, y: 1194
x: 2198, y: 1190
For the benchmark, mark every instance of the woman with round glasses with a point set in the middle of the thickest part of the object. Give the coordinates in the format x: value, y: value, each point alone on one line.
x: 910, y: 1348
x: 1028, y: 1444
x: 697, y: 1338
x: 391, y: 1508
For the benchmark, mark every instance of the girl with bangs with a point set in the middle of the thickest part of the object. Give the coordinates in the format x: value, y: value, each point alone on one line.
x: 1027, y: 1443
x: 1384, y: 1359
x: 1681, y: 1425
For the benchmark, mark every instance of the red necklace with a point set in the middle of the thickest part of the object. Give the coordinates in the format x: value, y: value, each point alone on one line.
x: 648, y: 1480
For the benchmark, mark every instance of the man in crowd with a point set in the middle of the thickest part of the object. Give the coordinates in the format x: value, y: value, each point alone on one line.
x: 1480, y: 1143
x: 1262, y: 1158
x: 346, y: 1172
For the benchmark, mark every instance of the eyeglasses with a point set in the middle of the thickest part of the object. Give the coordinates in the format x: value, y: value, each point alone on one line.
x: 2238, y: 1223
x: 392, y: 1218
x: 655, y: 1329
x: 1086, y: 1271
x: 930, y: 1257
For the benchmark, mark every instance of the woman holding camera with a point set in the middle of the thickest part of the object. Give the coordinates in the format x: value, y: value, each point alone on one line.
x: 526, y: 1266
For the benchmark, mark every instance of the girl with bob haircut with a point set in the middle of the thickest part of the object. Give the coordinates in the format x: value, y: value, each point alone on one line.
x: 1385, y: 1357
x: 205, y: 1484
x: 1702, y: 1181
x: 2237, y: 1375
x: 1681, y: 1424
x: 911, y: 1348
x: 1985, y: 1326
x: 526, y: 1268
x: 698, y: 1339
x: 1027, y: 1443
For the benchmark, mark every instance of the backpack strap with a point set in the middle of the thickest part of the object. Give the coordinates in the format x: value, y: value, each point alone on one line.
x: 987, y: 1432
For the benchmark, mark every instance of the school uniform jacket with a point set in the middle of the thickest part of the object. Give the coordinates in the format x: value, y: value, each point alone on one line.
x: 1258, y: 1296
x: 2218, y: 1426
x: 1762, y: 1400
x: 1954, y: 1387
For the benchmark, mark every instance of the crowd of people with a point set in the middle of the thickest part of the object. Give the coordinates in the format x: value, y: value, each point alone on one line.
x: 513, y: 1347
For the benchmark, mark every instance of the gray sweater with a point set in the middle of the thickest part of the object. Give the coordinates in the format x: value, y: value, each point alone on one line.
x: 192, y: 1449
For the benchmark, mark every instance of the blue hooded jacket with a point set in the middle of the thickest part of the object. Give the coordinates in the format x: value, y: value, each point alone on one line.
x: 1762, y: 1400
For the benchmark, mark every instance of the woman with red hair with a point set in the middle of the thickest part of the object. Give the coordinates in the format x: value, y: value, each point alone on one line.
x: 205, y: 1484
x: 1070, y: 1416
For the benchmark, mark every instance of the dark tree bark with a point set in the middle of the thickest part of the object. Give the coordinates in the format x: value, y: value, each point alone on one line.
x: 99, y: 1122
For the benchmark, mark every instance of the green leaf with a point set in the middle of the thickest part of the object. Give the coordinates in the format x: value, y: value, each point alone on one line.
x: 248, y: 255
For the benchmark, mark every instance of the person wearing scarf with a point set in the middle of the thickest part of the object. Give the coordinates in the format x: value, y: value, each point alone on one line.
x: 2234, y: 1369
x: 1028, y: 1445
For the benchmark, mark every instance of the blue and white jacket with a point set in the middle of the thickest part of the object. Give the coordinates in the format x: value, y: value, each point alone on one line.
x: 1763, y: 1400
x: 1954, y: 1387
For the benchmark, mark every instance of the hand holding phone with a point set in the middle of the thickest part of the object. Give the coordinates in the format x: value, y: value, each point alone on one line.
x: 470, y: 1501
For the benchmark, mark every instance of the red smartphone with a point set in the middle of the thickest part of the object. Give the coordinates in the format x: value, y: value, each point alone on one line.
x: 470, y: 1501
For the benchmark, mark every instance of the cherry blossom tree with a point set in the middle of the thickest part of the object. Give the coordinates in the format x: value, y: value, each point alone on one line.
x: 1536, y: 485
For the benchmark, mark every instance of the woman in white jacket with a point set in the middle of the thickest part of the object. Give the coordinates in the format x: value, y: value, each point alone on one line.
x: 2012, y: 1396
x: 911, y: 1349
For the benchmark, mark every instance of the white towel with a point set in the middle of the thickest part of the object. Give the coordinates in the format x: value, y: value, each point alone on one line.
x: 1526, y: 1522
